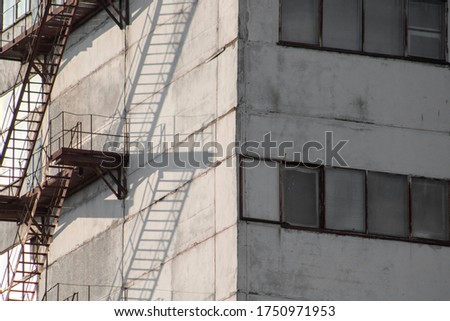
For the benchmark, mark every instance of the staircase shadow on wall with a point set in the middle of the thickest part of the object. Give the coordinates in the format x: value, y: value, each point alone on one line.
x: 150, y: 228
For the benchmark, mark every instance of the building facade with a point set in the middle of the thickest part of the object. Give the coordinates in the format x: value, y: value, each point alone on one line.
x: 328, y: 123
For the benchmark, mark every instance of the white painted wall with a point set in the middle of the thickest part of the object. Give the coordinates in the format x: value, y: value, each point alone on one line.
x: 396, y: 117
x: 173, y: 71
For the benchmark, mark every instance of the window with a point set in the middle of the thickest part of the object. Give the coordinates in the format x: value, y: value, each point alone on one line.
x: 12, y: 11
x: 347, y: 201
x: 8, y: 13
x: 383, y: 27
x: 300, y: 188
x: 387, y: 197
x: 301, y: 15
x: 257, y: 191
x: 401, y: 28
x: 426, y: 25
x: 22, y: 8
x: 342, y: 24
x: 429, y: 208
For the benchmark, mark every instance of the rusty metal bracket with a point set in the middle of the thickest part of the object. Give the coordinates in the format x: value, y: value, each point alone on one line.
x: 120, y: 15
x: 119, y: 189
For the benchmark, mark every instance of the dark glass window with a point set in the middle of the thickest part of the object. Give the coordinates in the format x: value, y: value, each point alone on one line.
x: 401, y: 28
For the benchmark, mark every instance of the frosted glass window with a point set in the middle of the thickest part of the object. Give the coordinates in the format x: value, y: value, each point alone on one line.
x: 300, y: 21
x: 345, y: 199
x: 384, y: 26
x: 301, y: 197
x: 22, y: 8
x: 388, y: 204
x: 425, y: 29
x: 261, y: 191
x: 8, y: 13
x: 342, y: 24
x: 430, y: 209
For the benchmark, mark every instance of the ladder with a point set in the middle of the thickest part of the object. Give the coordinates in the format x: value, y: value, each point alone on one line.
x: 31, y: 94
x: 36, y: 233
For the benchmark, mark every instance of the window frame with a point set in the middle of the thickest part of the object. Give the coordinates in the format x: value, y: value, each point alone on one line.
x: 26, y: 12
x: 405, y: 56
x: 16, y: 17
x: 322, y: 205
x: 320, y: 190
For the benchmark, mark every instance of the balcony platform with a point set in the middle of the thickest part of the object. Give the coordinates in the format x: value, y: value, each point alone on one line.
x: 88, y: 169
x: 16, y: 47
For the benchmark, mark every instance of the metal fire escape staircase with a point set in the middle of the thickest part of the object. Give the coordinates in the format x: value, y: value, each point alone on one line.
x: 34, y: 85
x: 40, y: 51
x: 35, y: 234
x: 24, y: 119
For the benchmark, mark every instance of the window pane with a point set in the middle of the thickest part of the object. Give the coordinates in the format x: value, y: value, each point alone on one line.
x: 300, y: 21
x: 425, y: 29
x: 261, y: 191
x: 387, y: 201
x: 342, y: 24
x: 345, y: 199
x: 8, y: 13
x: 429, y: 200
x: 384, y: 26
x: 21, y: 7
x: 301, y: 197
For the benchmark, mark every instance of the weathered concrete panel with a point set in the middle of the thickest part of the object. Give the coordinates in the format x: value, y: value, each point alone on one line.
x: 8, y: 232
x: 372, y: 147
x: 85, y: 216
x: 226, y: 195
x: 101, y: 93
x: 94, y: 44
x: 305, y: 82
x: 8, y: 74
x: 226, y: 263
x: 306, y: 265
x: 96, y: 264
x: 194, y: 273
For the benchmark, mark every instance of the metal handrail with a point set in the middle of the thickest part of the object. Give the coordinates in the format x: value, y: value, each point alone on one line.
x: 73, y: 137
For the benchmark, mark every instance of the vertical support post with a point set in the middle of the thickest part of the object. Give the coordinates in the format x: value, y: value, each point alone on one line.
x: 62, y: 129
x: 127, y: 12
x: 46, y: 280
x: 122, y: 24
x: 9, y: 266
x: 80, y: 138
x: 91, y: 131
x: 89, y: 293
x: 51, y: 135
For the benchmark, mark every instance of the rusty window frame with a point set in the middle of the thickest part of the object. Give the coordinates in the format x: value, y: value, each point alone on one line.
x: 405, y: 56
x: 322, y: 206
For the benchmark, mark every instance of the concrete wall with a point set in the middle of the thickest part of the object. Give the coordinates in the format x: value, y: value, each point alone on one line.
x: 172, y: 72
x: 8, y: 75
x: 396, y: 116
x: 8, y: 232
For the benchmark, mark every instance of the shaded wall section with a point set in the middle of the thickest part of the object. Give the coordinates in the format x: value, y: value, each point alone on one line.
x: 173, y: 74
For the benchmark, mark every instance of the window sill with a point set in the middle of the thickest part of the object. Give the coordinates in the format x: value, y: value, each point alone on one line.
x: 361, y: 53
x: 414, y: 240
